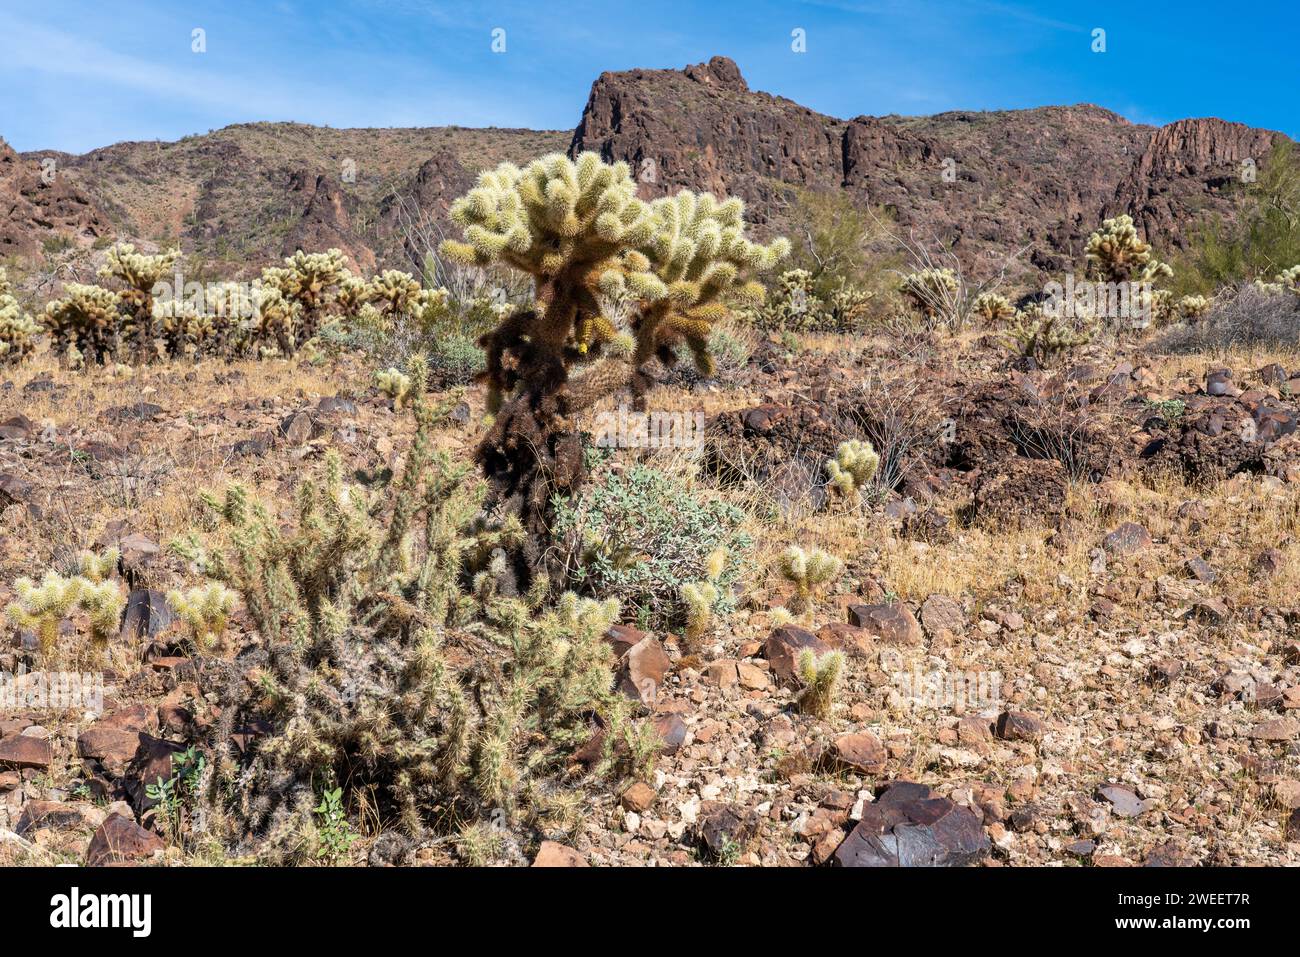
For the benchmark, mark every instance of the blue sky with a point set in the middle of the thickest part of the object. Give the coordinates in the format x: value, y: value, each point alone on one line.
x: 77, y: 74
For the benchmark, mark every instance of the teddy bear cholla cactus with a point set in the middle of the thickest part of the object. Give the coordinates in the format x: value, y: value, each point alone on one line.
x: 204, y: 609
x: 138, y: 273
x: 854, y: 465
x: 87, y: 321
x: 1191, y: 308
x: 18, y: 331
x: 307, y: 284
x: 1289, y: 279
x: 389, y: 661
x: 42, y: 607
x: 395, y: 384
x: 1115, y: 253
x: 821, y: 681
x: 993, y: 308
x: 582, y: 235
x: 808, y: 570
x: 700, y: 597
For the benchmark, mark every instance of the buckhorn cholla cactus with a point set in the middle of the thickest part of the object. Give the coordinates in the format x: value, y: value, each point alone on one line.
x: 808, y: 570
x: 139, y: 273
x: 582, y: 235
x: 18, y: 331
x: 389, y: 662
x: 1043, y: 338
x: 854, y: 465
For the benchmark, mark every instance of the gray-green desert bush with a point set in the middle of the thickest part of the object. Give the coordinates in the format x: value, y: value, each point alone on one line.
x: 641, y: 535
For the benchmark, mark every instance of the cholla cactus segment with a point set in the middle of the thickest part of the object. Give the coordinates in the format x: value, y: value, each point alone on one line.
x: 87, y: 318
x: 699, y: 598
x: 1044, y: 338
x: 1191, y: 308
x: 929, y: 290
x: 1115, y: 253
x: 821, y: 680
x: 41, y: 607
x: 993, y: 308
x: 139, y: 272
x: 1289, y: 279
x: 205, y: 609
x: 18, y: 331
x: 587, y: 615
x: 395, y: 384
x: 395, y: 293
x: 103, y: 603
x: 807, y: 570
x: 854, y: 465
x: 97, y: 566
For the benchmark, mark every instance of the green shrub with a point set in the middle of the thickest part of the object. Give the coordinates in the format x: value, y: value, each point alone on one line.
x: 640, y: 536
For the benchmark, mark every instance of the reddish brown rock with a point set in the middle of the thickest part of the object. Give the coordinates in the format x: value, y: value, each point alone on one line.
x: 1019, y: 726
x: 120, y: 840
x: 554, y: 854
x: 861, y: 751
x: 25, y: 751
x: 1127, y: 539
x: 890, y: 624
x: 784, y: 645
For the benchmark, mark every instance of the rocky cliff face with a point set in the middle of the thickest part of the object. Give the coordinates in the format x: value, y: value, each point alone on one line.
x: 36, y: 203
x: 987, y: 182
x: 1042, y: 177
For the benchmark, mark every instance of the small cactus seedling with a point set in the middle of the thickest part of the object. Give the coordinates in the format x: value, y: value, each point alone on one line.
x: 808, y: 570
x: 700, y: 597
x: 205, y: 609
x: 821, y: 681
x: 854, y: 465
x: 42, y: 607
x: 395, y: 384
